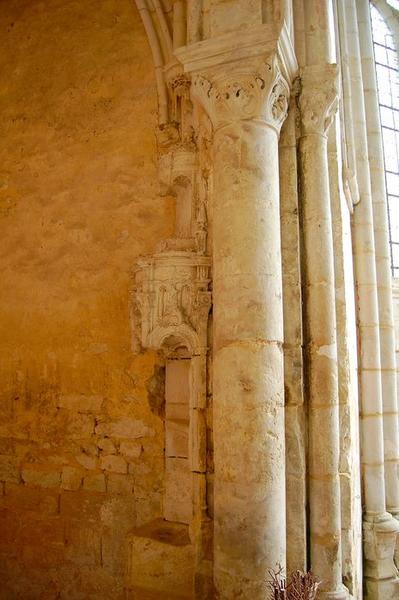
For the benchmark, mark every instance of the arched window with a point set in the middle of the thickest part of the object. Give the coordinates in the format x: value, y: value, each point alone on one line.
x: 386, y: 61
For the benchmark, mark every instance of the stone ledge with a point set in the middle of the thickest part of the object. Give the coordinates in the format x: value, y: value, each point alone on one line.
x: 161, y: 562
x: 164, y: 532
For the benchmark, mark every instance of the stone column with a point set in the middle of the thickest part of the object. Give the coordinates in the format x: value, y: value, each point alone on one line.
x: 318, y: 102
x: 295, y: 408
x: 383, y: 262
x: 247, y: 103
x: 379, y: 528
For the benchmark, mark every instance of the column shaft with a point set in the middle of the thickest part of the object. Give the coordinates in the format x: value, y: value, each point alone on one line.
x: 383, y: 264
x: 248, y: 360
x: 295, y: 409
x: 318, y: 104
x: 247, y: 107
x: 379, y: 528
x: 372, y: 442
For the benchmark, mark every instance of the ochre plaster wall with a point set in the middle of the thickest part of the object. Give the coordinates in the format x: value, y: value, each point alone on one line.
x: 81, y: 450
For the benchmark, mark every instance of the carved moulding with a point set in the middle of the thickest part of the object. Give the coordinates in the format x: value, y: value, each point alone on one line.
x: 173, y: 299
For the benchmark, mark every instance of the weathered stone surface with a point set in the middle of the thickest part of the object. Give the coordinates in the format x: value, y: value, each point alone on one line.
x: 130, y: 449
x: 9, y: 469
x: 114, y: 464
x: 125, y: 428
x: 95, y: 482
x: 71, y: 479
x: 88, y: 462
x: 41, y: 477
x: 178, y: 490
x: 176, y: 438
x: 78, y: 203
x: 107, y: 446
x: 119, y: 484
x: 81, y: 403
x: 161, y: 560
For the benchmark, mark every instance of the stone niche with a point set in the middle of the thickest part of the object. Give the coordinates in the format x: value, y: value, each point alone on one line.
x: 171, y: 305
x: 178, y: 482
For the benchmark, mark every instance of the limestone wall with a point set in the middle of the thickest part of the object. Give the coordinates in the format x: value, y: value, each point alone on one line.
x: 81, y: 439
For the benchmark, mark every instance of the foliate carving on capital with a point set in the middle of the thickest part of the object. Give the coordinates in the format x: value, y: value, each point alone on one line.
x: 318, y: 100
x: 242, y: 94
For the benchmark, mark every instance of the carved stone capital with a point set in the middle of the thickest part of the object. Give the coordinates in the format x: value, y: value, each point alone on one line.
x: 318, y: 100
x: 239, y: 92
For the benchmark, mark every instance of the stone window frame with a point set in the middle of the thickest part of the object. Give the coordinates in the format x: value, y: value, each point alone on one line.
x: 390, y: 16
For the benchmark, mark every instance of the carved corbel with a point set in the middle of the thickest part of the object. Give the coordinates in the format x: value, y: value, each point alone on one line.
x: 174, y: 300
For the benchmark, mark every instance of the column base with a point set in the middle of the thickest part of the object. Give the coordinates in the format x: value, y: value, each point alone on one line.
x: 381, y: 575
x: 381, y: 590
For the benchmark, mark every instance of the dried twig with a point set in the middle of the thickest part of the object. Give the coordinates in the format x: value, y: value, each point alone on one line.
x: 300, y: 586
x: 277, y: 585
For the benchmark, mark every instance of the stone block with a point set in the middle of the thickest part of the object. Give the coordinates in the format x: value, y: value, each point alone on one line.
x: 83, y: 544
x: 6, y: 446
x: 178, y: 490
x: 177, y: 412
x: 83, y: 505
x: 176, y: 438
x: 88, y: 462
x: 9, y: 470
x: 197, y: 441
x: 153, y: 446
x: 113, y: 463
x: 149, y: 508
x: 9, y: 528
x: 177, y: 390
x: 27, y: 498
x: 95, y: 482
x: 34, y: 530
x: 80, y: 403
x: 177, y: 385
x: 161, y: 561
x: 148, y: 475
x: 119, y: 484
x: 34, y: 558
x: 41, y: 477
x: 71, y: 479
x: 79, y: 425
x: 125, y: 428
x: 130, y: 449
x: 107, y: 446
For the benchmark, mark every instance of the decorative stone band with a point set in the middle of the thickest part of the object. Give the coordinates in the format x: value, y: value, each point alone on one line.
x: 318, y: 100
x: 243, y: 93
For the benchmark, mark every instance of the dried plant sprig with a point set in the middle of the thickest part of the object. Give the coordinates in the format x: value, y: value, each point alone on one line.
x: 300, y: 586
x: 277, y: 585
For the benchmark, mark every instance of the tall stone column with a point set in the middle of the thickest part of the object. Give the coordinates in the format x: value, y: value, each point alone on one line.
x: 247, y: 107
x: 379, y: 528
x: 246, y: 101
x: 318, y: 102
x: 383, y: 262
